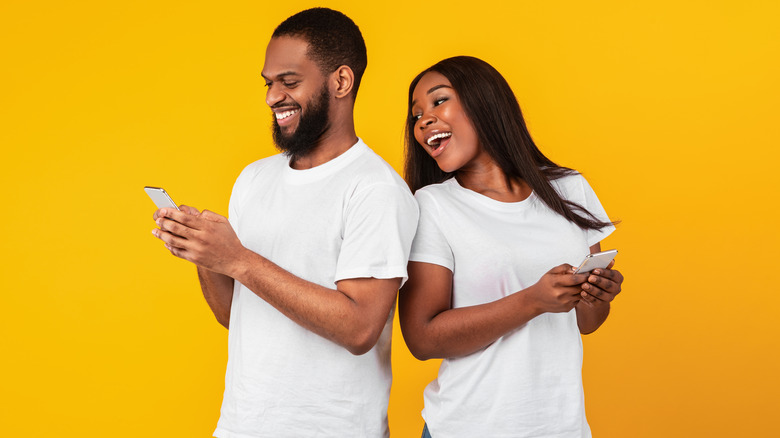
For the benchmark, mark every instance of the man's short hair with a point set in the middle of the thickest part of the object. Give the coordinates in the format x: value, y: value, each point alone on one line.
x: 334, y: 40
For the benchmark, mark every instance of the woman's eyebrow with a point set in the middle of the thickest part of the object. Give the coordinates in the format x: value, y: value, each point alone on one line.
x: 434, y: 88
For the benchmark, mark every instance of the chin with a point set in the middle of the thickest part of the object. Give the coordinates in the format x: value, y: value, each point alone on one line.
x: 447, y: 167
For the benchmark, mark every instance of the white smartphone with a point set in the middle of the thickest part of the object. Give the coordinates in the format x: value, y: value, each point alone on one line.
x: 160, y: 197
x: 596, y: 260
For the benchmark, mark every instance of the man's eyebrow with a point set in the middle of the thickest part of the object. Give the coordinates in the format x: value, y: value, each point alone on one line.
x: 281, y: 75
x: 432, y: 89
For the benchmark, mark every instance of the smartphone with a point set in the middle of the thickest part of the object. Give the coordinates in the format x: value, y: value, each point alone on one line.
x: 596, y: 260
x: 160, y: 197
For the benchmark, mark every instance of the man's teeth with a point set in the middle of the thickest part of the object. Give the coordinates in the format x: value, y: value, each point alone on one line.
x: 438, y: 136
x: 286, y: 114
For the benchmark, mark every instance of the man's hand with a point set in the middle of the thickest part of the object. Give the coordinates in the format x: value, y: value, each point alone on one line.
x: 205, y: 238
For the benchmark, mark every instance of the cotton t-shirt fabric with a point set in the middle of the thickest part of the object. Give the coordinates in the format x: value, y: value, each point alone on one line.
x: 528, y: 383
x: 352, y: 217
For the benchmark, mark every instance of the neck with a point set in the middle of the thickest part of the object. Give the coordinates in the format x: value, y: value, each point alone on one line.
x: 486, y: 178
x: 335, y: 141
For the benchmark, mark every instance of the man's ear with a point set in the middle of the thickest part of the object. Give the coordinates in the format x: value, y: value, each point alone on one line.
x: 344, y: 80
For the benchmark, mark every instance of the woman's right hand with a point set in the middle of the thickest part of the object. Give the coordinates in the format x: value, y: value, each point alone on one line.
x: 558, y: 290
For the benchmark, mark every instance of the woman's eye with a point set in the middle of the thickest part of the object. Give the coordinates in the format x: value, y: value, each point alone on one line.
x: 416, y: 117
x: 438, y: 102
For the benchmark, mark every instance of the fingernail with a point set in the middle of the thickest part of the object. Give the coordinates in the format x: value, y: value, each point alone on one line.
x: 597, y: 271
x: 154, y: 232
x: 158, y: 221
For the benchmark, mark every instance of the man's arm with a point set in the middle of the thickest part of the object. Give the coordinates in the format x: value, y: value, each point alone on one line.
x: 352, y: 315
x: 217, y: 288
x: 218, y: 292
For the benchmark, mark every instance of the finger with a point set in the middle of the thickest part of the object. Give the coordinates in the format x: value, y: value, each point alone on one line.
x: 214, y: 217
x: 569, y: 279
x: 178, y: 252
x: 156, y: 214
x: 607, y: 273
x: 175, y: 228
x: 587, y: 298
x: 598, y: 293
x: 604, y: 283
x: 170, y: 240
x: 189, y: 210
x: 181, y: 217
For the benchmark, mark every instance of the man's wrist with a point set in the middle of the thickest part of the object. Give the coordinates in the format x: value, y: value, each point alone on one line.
x: 238, y: 269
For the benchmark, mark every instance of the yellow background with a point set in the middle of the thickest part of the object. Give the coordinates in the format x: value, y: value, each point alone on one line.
x: 669, y: 108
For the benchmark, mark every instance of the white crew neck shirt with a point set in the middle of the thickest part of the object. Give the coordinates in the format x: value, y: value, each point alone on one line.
x: 528, y: 383
x: 351, y: 217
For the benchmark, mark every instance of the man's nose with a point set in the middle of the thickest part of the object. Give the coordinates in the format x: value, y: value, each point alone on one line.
x: 273, y: 95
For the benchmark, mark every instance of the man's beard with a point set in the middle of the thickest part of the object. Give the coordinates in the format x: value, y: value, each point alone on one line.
x: 313, y: 123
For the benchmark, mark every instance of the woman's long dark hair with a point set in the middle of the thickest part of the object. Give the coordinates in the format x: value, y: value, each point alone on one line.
x: 491, y: 106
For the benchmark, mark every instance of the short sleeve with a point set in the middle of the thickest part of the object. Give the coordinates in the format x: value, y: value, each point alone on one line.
x: 239, y: 188
x: 379, y: 226
x: 593, y: 205
x: 430, y: 245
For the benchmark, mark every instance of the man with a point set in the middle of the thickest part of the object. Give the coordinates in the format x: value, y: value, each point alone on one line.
x: 307, y: 281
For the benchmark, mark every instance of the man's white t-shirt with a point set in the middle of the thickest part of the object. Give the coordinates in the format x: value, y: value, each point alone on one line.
x: 352, y: 217
x: 528, y: 383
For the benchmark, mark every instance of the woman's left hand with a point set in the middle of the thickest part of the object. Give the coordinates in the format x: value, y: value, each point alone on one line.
x: 603, y: 285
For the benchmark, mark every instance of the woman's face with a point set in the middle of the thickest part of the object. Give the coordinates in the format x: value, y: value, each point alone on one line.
x: 441, y: 125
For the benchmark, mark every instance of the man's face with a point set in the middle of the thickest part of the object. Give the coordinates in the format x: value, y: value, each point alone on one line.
x: 297, y: 94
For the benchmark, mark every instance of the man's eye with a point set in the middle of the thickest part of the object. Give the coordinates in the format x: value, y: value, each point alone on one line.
x: 289, y: 84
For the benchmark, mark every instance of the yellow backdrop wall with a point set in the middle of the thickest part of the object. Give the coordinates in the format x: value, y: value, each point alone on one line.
x: 669, y: 108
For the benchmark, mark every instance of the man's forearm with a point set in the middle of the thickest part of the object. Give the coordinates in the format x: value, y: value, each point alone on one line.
x: 353, y: 315
x: 218, y: 291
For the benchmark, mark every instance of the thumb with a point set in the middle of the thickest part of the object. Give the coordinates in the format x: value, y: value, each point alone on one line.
x: 189, y: 210
x: 211, y: 216
x: 562, y: 269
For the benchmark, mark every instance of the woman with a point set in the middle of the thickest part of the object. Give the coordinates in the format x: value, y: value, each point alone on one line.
x: 491, y: 289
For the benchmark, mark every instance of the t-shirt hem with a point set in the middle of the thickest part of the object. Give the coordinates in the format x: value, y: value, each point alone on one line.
x: 384, y: 273
x: 428, y: 258
x: 602, y: 234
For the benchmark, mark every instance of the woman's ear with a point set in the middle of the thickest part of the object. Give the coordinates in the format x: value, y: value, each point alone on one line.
x: 344, y: 81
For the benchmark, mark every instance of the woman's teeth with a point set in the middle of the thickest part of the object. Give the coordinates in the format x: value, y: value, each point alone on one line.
x: 436, y: 138
x: 286, y: 114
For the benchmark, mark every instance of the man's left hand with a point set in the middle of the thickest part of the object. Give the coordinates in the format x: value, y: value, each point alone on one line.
x: 206, y: 239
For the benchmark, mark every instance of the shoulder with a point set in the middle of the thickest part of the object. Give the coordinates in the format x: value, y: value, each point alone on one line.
x: 253, y: 170
x: 572, y: 186
x: 370, y: 172
x: 431, y: 195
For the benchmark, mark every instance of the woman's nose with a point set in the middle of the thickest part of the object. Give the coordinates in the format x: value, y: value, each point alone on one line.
x: 427, y: 119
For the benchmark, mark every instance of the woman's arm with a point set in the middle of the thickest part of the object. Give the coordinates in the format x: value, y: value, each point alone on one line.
x: 601, y: 288
x: 433, y: 329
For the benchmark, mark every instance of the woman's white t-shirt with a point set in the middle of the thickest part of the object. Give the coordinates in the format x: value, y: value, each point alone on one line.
x: 528, y: 383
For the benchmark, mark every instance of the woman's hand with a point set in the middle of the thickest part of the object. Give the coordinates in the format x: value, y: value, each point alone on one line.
x: 559, y: 290
x: 602, y: 285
